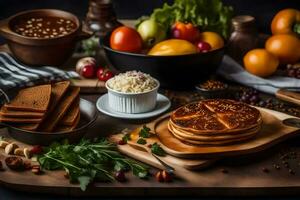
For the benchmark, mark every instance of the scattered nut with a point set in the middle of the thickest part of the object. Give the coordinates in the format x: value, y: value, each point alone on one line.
x: 36, y: 169
x: 15, y: 163
x: 159, y: 177
x: 27, y: 165
x: 166, y: 176
x: 19, y: 152
x: 3, y: 144
x: 9, y: 149
x: 163, y: 176
x: 27, y: 153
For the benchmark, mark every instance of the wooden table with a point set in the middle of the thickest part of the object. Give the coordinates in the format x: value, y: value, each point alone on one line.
x: 246, y: 175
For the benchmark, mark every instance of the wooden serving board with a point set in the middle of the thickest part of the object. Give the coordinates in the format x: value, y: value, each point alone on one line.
x: 145, y: 157
x: 273, y: 131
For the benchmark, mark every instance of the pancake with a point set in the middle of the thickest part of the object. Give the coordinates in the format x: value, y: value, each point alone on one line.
x: 216, y: 143
x: 215, y: 117
x: 190, y: 136
x: 19, y: 114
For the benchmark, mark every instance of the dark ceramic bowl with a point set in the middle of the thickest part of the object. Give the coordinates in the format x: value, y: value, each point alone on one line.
x: 88, y: 115
x: 214, y: 93
x: 41, y: 51
x: 176, y: 72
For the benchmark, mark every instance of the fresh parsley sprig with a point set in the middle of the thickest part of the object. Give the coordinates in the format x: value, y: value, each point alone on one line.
x: 89, y: 161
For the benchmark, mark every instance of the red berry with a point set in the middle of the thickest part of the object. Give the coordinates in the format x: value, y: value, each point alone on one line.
x: 104, y: 74
x: 36, y: 150
x: 203, y: 46
x: 88, y: 71
x: 120, y: 176
x: 122, y: 142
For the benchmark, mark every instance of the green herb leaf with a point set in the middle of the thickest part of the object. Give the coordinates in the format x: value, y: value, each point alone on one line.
x: 84, y: 181
x: 88, y: 161
x: 141, y: 141
x: 157, y: 150
x: 145, y: 132
x: 126, y: 137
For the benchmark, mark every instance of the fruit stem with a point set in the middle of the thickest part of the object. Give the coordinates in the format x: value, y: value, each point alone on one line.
x: 296, y: 28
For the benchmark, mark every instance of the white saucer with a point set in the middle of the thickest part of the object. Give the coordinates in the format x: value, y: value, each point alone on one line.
x: 162, y: 104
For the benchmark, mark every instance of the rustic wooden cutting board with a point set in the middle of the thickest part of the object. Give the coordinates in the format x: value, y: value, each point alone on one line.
x: 273, y: 131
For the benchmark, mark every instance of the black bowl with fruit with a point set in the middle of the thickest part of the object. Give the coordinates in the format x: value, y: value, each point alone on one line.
x: 179, y: 54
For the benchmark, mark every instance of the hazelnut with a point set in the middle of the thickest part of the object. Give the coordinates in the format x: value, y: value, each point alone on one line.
x: 19, y: 152
x: 27, y: 153
x: 159, y: 176
x: 163, y: 176
x: 3, y: 144
x: 9, y: 149
x: 15, y: 163
x: 166, y: 176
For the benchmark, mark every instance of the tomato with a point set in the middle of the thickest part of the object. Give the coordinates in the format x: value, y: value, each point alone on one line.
x: 212, y: 38
x: 260, y: 62
x: 185, y: 32
x: 285, y: 47
x: 104, y: 74
x: 88, y: 71
x: 203, y: 46
x: 126, y: 39
x: 286, y: 21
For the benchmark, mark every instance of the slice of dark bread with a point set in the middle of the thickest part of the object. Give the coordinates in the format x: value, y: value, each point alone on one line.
x: 71, y: 115
x: 53, y: 118
x: 19, y: 114
x: 63, y: 128
x: 19, y: 120
x: 34, y: 99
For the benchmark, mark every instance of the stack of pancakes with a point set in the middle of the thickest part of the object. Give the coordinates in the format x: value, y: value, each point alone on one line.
x: 46, y: 108
x: 215, y: 122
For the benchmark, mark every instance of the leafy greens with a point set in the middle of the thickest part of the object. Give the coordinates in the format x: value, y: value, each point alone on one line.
x: 209, y: 15
x: 89, y: 161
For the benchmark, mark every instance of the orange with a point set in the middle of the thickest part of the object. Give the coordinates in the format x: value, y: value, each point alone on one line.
x: 285, y: 46
x: 212, y: 38
x: 260, y: 62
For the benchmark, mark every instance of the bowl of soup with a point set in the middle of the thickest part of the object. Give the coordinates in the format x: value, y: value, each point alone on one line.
x: 42, y: 37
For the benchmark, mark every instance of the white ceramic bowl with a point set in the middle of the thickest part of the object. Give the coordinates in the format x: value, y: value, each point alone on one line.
x: 132, y: 102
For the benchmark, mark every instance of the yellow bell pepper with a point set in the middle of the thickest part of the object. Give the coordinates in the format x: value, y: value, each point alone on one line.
x: 173, y: 47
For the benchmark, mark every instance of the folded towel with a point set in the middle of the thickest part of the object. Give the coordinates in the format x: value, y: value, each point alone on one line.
x: 14, y: 75
x: 233, y: 71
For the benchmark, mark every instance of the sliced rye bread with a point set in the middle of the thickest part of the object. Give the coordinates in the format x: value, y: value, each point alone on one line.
x: 19, y: 114
x: 19, y: 120
x: 57, y: 114
x: 34, y: 99
x: 71, y: 115
x: 63, y: 128
x: 58, y: 90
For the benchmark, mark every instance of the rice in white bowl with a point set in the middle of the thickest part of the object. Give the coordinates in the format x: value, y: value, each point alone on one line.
x: 132, y: 82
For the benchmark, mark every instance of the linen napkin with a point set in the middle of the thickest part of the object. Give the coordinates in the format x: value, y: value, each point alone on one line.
x: 14, y: 75
x: 233, y: 71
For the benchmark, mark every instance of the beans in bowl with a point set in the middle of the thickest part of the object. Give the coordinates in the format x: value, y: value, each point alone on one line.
x: 44, y: 27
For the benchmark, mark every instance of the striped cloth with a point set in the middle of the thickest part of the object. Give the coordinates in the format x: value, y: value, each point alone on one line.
x: 14, y: 75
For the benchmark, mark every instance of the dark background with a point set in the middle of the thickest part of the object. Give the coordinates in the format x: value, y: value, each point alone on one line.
x: 263, y: 10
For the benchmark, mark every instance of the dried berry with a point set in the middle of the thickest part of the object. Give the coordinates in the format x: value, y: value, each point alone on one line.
x: 120, y: 176
x: 122, y: 142
x: 159, y: 176
x: 36, y: 150
x: 225, y: 171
